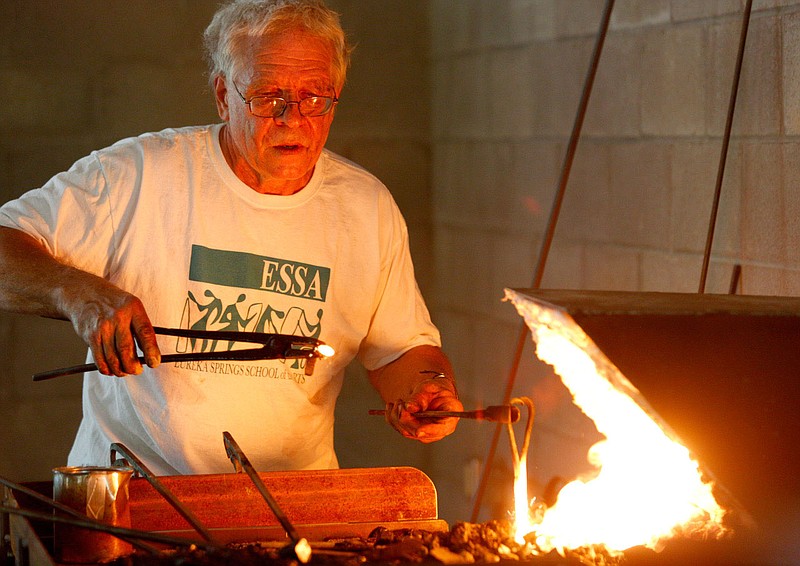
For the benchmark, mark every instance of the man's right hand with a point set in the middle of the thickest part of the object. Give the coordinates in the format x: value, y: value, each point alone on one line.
x: 110, y: 320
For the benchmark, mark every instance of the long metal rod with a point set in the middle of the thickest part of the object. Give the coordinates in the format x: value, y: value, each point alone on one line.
x: 236, y: 453
x: 723, y: 156
x: 129, y: 535
x: 133, y: 461
x: 548, y: 237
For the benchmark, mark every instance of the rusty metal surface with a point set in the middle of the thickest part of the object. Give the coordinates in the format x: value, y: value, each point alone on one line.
x: 306, y: 497
x: 724, y: 372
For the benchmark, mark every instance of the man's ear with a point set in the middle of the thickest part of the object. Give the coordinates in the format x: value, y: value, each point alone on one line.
x: 221, y: 97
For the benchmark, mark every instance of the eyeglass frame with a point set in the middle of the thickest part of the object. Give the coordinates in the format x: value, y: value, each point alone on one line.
x: 334, y: 100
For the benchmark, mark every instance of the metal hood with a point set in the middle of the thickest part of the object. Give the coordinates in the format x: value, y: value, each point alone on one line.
x: 723, y: 371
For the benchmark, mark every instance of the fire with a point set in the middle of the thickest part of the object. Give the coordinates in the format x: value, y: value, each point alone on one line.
x: 647, y: 486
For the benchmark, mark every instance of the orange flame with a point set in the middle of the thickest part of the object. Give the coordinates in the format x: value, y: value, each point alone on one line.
x: 647, y: 485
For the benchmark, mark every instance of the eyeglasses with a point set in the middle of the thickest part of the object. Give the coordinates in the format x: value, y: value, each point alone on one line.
x: 274, y: 106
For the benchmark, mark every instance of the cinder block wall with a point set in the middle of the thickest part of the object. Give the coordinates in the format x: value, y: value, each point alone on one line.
x: 507, y: 77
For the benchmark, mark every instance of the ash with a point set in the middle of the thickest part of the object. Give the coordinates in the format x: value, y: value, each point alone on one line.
x: 466, y: 543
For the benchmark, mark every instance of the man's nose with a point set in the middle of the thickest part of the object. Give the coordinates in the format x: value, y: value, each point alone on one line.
x: 291, y: 114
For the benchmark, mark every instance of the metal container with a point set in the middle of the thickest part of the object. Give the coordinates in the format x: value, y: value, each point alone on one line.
x: 101, y: 494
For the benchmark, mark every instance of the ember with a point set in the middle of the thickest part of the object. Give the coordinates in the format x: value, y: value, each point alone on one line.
x: 466, y: 543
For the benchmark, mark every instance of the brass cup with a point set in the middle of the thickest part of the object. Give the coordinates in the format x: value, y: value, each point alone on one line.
x: 100, y: 493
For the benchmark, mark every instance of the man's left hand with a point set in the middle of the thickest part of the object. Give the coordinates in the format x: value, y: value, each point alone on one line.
x: 434, y: 394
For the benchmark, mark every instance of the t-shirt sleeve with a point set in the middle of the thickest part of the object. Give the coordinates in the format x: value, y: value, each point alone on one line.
x: 401, y: 320
x: 69, y: 215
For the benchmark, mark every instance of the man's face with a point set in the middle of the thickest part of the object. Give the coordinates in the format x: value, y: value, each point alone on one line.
x: 276, y: 155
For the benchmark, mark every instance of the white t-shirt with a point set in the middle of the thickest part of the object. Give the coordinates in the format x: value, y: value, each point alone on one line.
x: 164, y: 217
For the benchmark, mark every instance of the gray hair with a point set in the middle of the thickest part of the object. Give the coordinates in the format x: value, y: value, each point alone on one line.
x: 240, y: 19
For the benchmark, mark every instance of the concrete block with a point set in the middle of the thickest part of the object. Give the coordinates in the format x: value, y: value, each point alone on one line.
x: 490, y: 190
x: 772, y: 280
x: 666, y: 271
x: 673, y: 81
x: 453, y: 25
x: 532, y: 20
x: 640, y: 194
x: 385, y: 25
x: 92, y: 33
x: 632, y: 14
x: 457, y: 200
x: 791, y: 202
x: 759, y: 102
x: 494, y: 345
x: 720, y: 275
x: 759, y: 5
x: 42, y: 434
x: 694, y: 176
x: 404, y: 167
x: 457, y: 327
x: 447, y: 176
x: 534, y: 174
x: 585, y: 214
x: 511, y: 105
x: 40, y: 344
x: 614, y: 268
x: 140, y: 98
x: 791, y: 73
x: 614, y: 105
x: 763, y: 227
x: 463, y: 255
x: 43, y: 100
x: 723, y: 40
x: 565, y: 265
x: 515, y: 22
x: 683, y: 10
x: 559, y: 70
x: 461, y: 109
x: 578, y: 18
x: 494, y: 23
x: 387, y: 105
x: 512, y: 264
x: 7, y: 16
x: 35, y: 160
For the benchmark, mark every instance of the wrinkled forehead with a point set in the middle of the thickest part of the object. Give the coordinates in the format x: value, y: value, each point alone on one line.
x: 293, y: 57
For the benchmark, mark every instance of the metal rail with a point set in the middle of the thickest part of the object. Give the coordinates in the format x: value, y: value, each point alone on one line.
x: 723, y: 156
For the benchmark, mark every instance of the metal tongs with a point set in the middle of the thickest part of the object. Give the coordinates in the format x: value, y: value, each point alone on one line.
x: 273, y: 347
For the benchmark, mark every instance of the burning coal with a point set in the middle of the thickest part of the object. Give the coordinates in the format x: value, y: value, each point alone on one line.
x: 647, y: 488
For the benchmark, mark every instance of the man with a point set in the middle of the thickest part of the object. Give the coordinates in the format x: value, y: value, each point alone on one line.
x: 249, y: 225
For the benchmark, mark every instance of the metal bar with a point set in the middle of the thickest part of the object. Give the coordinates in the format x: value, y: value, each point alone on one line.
x: 130, y: 535
x: 548, y: 237
x: 142, y: 469
x: 736, y: 276
x: 723, y: 155
x: 497, y: 413
x: 234, y: 452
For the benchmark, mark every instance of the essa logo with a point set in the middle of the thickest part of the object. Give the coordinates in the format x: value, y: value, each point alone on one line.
x: 249, y: 271
x: 295, y: 279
